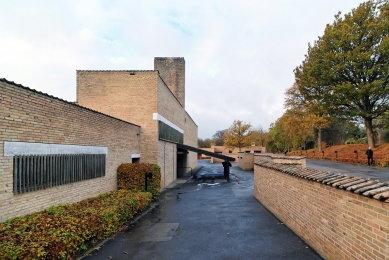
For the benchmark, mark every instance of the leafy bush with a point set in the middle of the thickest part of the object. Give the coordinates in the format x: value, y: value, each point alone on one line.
x: 351, y: 141
x: 386, y: 136
x: 62, y: 231
x: 131, y: 176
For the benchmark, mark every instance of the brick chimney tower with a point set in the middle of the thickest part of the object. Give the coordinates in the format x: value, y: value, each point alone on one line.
x: 172, y: 71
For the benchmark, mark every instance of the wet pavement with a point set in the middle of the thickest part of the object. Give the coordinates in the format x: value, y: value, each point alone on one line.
x: 374, y: 173
x: 208, y: 218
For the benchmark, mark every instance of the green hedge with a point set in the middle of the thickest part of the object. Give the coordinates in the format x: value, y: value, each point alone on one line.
x: 131, y: 176
x: 62, y: 231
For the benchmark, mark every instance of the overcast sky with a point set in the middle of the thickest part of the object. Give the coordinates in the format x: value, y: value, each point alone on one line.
x: 239, y: 55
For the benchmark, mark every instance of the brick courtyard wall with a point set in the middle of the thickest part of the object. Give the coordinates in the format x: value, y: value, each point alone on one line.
x: 246, y: 161
x: 337, y: 223
x: 30, y: 116
x: 262, y: 156
x: 128, y: 95
x: 234, y: 152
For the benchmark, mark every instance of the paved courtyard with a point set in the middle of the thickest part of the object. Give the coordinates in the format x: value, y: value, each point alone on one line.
x: 207, y: 218
x: 363, y: 171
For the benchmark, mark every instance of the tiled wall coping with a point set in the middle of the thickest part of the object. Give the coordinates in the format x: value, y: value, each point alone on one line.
x: 287, y: 157
x: 357, y: 185
x: 341, y: 217
x: 281, y: 159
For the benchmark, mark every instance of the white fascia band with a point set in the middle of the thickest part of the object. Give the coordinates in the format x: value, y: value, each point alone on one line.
x: 158, y: 117
x: 25, y: 148
x: 136, y: 155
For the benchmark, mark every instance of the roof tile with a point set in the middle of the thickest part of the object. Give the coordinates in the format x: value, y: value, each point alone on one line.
x: 366, y: 187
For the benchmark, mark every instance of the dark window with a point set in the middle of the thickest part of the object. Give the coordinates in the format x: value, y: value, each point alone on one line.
x: 167, y: 132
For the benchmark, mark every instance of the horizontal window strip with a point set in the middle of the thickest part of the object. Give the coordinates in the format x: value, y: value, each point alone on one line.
x: 168, y: 133
x: 37, y: 172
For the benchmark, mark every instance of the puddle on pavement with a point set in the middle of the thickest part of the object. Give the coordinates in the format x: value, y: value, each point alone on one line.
x: 212, y: 185
x: 156, y: 232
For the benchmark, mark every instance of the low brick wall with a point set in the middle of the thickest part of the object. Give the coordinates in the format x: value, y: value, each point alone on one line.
x: 262, y: 156
x: 298, y: 161
x: 335, y: 214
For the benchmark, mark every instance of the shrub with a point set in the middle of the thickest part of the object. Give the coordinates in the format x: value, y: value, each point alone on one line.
x: 351, y: 141
x: 362, y: 140
x: 131, y: 176
x: 62, y: 231
x: 386, y: 136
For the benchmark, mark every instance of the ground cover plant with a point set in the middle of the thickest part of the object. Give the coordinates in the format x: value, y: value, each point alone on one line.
x: 348, y: 153
x: 60, y: 232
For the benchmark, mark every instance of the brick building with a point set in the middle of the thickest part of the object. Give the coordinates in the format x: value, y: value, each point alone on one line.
x: 153, y: 99
x: 53, y: 151
x: 44, y: 141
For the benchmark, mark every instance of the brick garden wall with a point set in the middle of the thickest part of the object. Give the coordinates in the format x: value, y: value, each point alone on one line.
x: 30, y: 116
x: 338, y: 223
x: 246, y: 161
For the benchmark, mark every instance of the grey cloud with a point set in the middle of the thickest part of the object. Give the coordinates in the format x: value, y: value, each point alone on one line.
x: 240, y: 55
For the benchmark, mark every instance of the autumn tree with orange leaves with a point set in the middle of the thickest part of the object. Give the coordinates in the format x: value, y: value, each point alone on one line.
x: 237, y: 135
x: 304, y: 116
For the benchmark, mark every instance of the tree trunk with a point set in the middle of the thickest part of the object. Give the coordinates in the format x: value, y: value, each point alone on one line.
x: 319, y: 139
x: 369, y: 132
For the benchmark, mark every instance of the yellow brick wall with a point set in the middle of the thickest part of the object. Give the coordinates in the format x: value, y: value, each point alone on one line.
x: 129, y: 95
x: 170, y: 108
x: 167, y: 160
x: 337, y: 223
x: 134, y: 96
x: 172, y: 70
x: 190, y: 138
x: 29, y: 116
x: 246, y: 161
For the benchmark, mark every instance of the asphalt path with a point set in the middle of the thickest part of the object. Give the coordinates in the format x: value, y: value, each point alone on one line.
x: 374, y: 173
x: 207, y: 218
